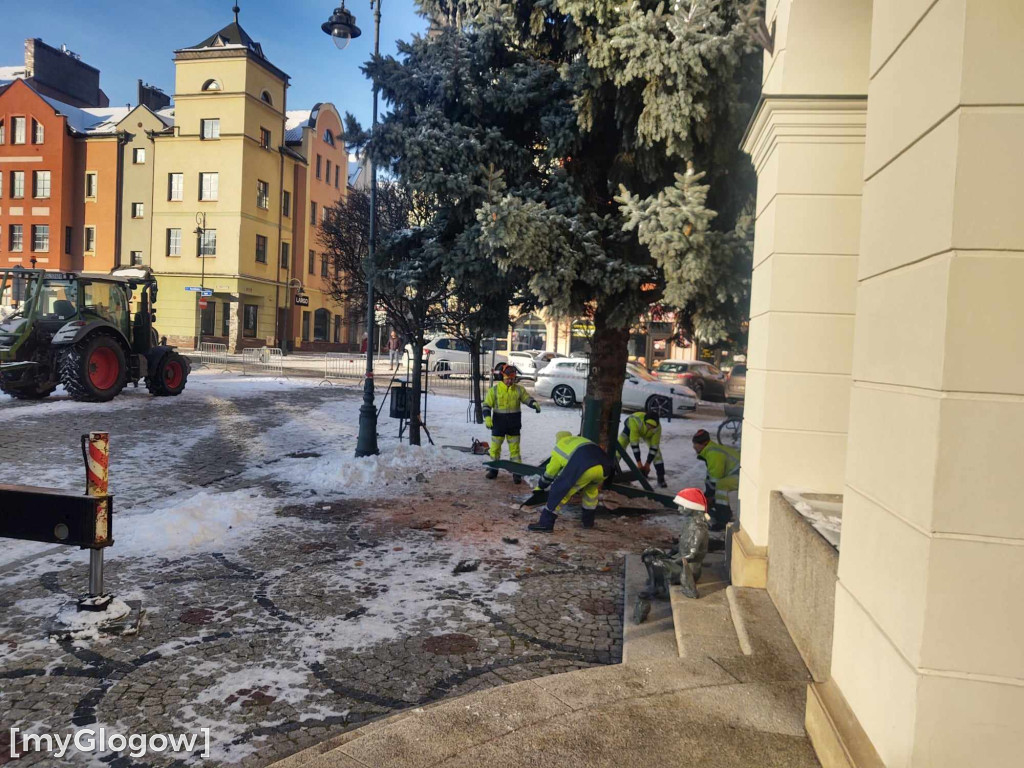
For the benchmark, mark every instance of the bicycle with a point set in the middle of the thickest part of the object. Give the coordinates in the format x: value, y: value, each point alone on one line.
x: 730, y: 431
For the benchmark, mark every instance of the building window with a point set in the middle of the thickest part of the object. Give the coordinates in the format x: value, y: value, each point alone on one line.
x: 323, y: 214
x: 263, y: 194
x: 210, y: 128
x: 312, y: 214
x: 18, y: 130
x: 285, y: 254
x: 328, y: 137
x: 138, y: 210
x: 328, y: 171
x: 15, y: 238
x: 90, y: 239
x: 136, y: 259
x: 175, y: 186
x: 211, y: 85
x: 37, y: 132
x: 337, y: 329
x: 90, y: 186
x: 41, y: 238
x: 208, y: 186
x: 225, y: 323
x: 3, y: 135
x: 305, y: 325
x: 321, y: 324
x: 261, y: 249
x: 312, y: 261
x: 250, y: 320
x: 17, y: 183
x: 319, y: 167
x: 139, y: 155
x: 67, y: 239
x: 336, y: 175
x: 264, y: 138
x: 323, y: 265
x: 208, y: 243
x: 174, y: 242
x: 41, y: 184
x: 266, y: 98
x: 286, y: 203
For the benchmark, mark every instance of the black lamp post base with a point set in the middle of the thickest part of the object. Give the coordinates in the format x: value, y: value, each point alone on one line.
x: 366, y: 443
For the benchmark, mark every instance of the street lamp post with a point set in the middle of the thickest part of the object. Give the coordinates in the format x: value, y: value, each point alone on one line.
x: 342, y: 29
x: 200, y: 231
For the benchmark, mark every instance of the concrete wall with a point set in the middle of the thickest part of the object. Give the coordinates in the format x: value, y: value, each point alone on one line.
x: 929, y: 617
x: 802, y: 568
x: 806, y: 142
x: 64, y: 77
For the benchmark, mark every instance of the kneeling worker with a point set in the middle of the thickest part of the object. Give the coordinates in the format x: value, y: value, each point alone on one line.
x: 723, y: 476
x: 503, y: 418
x: 577, y: 465
x: 646, y: 427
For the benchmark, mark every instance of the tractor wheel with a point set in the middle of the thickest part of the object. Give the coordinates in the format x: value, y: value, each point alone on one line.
x: 94, y: 370
x: 168, y: 380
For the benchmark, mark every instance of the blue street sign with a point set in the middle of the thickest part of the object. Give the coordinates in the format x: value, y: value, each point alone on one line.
x: 206, y: 292
x: 193, y: 288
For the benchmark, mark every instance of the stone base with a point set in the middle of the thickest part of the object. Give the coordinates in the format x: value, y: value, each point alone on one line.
x: 748, y: 563
x: 837, y: 736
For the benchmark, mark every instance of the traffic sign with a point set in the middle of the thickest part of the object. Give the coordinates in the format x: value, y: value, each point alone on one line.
x: 206, y: 292
x: 301, y: 300
x: 193, y: 288
x: 202, y: 303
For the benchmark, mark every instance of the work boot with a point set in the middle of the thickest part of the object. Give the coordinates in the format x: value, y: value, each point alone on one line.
x: 517, y: 479
x: 492, y: 473
x: 545, y: 524
x: 587, y: 518
x: 660, y: 468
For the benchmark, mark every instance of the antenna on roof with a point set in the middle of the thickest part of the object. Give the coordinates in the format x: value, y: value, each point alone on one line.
x: 236, y: 9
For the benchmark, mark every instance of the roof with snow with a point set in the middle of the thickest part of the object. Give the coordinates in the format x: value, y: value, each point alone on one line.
x: 295, y: 121
x: 227, y: 41
x: 10, y: 74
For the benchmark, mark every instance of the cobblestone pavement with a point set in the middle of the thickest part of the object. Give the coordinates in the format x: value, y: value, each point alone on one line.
x: 330, y: 613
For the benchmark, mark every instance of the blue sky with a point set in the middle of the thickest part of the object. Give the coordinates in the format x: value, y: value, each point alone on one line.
x: 131, y: 39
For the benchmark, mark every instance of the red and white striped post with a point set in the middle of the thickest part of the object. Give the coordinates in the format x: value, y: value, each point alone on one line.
x: 96, y: 447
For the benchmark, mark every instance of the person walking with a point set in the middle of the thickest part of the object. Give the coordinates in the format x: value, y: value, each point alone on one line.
x: 577, y: 465
x: 394, y: 350
x: 503, y: 417
x: 646, y: 427
x: 723, y: 475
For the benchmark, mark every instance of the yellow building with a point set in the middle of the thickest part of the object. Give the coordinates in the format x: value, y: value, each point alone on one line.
x: 230, y: 198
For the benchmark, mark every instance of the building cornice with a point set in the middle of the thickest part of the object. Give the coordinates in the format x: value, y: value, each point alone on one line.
x: 825, y: 119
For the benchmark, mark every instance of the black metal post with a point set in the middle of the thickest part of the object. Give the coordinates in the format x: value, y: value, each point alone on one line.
x: 366, y: 443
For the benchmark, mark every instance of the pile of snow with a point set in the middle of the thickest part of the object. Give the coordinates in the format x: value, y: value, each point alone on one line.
x: 192, y: 521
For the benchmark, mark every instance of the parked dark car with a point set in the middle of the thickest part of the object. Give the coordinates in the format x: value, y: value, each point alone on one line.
x: 736, y: 383
x: 703, y: 378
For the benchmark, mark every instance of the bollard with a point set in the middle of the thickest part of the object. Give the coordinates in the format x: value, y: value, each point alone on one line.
x: 96, y: 448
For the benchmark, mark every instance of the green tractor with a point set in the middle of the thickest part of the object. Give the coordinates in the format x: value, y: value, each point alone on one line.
x: 77, y: 330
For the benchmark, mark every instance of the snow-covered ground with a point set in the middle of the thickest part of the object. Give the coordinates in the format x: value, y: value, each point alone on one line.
x: 194, y: 518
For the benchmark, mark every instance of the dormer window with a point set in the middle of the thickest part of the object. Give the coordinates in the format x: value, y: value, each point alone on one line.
x: 329, y: 137
x: 211, y: 85
x: 265, y: 96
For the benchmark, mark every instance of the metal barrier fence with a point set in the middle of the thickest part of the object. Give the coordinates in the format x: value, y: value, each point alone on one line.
x: 263, y: 360
x: 340, y: 366
x: 213, y: 354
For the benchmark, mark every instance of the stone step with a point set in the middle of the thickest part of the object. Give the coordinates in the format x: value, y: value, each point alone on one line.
x: 655, y: 638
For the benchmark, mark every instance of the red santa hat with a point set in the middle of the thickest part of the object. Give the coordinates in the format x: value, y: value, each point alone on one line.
x: 692, y: 498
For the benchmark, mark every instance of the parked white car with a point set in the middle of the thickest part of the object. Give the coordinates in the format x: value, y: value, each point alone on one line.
x: 525, y: 362
x: 564, y: 380
x: 447, y: 353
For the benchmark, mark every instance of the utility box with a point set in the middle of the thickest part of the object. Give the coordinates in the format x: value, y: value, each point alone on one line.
x: 401, y: 401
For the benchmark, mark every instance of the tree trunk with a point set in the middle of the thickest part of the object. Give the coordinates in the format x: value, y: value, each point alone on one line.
x: 477, y: 379
x: 609, y: 351
x: 417, y: 388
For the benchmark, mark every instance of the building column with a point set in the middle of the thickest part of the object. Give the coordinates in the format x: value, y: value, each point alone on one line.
x: 235, y: 324
x: 928, y: 648
x: 807, y: 143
